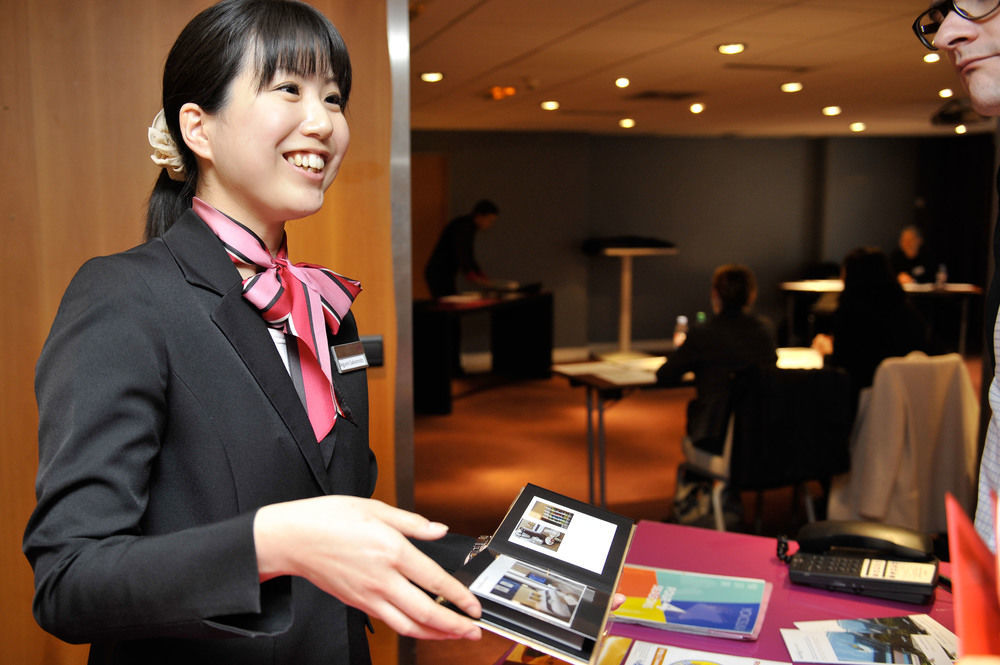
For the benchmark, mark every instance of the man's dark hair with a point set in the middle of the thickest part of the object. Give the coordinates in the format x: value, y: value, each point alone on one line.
x: 735, y: 285
x: 485, y: 207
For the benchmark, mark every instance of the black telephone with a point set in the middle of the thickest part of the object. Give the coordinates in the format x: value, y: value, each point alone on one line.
x: 864, y: 557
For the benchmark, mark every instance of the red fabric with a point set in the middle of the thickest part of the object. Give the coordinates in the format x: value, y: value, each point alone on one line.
x: 974, y: 585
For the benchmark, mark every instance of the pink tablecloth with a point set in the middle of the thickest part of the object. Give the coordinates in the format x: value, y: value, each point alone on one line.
x: 707, y: 551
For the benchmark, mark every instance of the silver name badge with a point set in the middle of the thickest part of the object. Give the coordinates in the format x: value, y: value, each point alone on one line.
x: 350, y: 357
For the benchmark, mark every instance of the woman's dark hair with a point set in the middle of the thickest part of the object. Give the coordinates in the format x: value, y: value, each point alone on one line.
x: 869, y: 281
x: 284, y: 35
x: 735, y: 285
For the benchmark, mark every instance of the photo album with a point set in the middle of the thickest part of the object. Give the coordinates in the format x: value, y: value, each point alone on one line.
x: 548, y: 574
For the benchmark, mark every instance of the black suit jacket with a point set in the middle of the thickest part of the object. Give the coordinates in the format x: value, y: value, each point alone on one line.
x: 166, y: 419
x: 729, y: 342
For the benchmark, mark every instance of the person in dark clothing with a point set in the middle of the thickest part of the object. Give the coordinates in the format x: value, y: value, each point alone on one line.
x: 204, y: 467
x: 910, y: 260
x: 873, y: 321
x: 731, y: 340
x: 454, y: 254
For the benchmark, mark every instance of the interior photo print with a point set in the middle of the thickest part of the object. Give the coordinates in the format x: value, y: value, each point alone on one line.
x: 540, y: 592
x: 570, y: 536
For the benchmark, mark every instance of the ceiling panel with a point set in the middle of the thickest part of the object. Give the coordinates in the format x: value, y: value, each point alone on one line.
x: 858, y: 54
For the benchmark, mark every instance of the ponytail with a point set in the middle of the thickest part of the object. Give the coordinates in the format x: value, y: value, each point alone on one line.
x: 168, y: 201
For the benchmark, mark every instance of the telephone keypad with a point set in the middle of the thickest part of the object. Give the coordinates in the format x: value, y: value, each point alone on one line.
x: 825, y: 563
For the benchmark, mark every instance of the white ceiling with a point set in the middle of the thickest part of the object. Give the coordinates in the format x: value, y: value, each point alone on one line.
x: 858, y: 54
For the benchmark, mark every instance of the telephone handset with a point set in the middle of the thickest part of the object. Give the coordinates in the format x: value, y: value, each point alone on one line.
x: 864, y: 557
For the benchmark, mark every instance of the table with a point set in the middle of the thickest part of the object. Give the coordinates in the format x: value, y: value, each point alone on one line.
x: 521, y: 328
x: 605, y: 381
x: 951, y: 290
x: 625, y: 302
x: 727, y: 553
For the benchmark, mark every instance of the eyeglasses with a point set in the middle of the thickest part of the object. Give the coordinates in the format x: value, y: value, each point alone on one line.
x: 927, y: 24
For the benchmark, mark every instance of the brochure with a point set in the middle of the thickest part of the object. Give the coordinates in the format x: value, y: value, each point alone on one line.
x: 715, y: 605
x: 547, y: 576
x: 618, y: 650
x: 647, y: 653
x: 916, y: 639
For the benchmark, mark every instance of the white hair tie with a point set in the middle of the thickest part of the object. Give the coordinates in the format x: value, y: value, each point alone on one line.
x: 165, y: 152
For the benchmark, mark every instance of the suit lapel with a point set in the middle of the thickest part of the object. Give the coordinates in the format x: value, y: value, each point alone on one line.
x: 205, y: 264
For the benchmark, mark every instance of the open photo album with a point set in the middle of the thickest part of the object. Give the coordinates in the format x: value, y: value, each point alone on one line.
x: 548, y: 574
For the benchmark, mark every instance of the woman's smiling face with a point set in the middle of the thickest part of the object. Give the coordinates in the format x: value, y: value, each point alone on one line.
x: 273, y: 149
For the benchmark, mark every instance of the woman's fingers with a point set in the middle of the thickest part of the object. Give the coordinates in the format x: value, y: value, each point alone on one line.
x: 357, y: 550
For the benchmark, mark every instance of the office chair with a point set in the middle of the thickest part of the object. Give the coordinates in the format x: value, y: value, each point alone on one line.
x: 914, y: 439
x: 786, y: 427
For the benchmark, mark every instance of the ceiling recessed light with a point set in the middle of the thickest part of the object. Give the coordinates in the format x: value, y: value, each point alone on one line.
x: 791, y: 86
x: 731, y: 49
x: 858, y: 126
x: 697, y: 107
x: 945, y: 93
x: 622, y: 82
x: 431, y: 77
x: 961, y: 129
x: 831, y: 110
x: 550, y: 105
x: 626, y: 123
x: 932, y: 57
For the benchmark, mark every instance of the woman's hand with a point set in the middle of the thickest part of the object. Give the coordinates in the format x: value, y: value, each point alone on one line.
x: 356, y: 549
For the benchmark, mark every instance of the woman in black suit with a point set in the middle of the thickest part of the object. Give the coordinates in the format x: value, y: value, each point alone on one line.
x: 204, y: 473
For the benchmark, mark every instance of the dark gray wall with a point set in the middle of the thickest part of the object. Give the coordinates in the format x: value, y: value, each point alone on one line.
x: 720, y: 201
x: 870, y: 193
x: 775, y: 204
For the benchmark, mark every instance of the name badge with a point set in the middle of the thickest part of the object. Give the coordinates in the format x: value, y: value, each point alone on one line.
x: 349, y: 357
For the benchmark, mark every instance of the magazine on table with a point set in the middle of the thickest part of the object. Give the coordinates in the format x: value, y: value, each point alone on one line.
x: 619, y: 650
x: 548, y: 574
x: 916, y: 639
x: 690, y: 602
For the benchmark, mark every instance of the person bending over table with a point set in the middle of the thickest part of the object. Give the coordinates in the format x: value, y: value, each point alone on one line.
x: 454, y: 254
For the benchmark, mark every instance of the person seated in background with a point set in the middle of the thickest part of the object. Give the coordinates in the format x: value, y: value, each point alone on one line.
x: 873, y: 321
x: 731, y: 340
x: 910, y: 260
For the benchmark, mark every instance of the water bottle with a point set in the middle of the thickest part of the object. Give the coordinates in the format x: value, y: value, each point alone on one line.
x: 680, y: 331
x: 941, y: 278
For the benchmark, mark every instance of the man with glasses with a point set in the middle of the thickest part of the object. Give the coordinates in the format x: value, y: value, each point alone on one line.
x: 969, y: 32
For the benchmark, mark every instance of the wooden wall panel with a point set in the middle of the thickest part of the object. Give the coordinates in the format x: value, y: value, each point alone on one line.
x: 429, y: 174
x: 81, y: 82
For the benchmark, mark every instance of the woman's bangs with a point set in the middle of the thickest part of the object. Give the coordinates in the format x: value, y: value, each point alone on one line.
x: 303, y: 45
